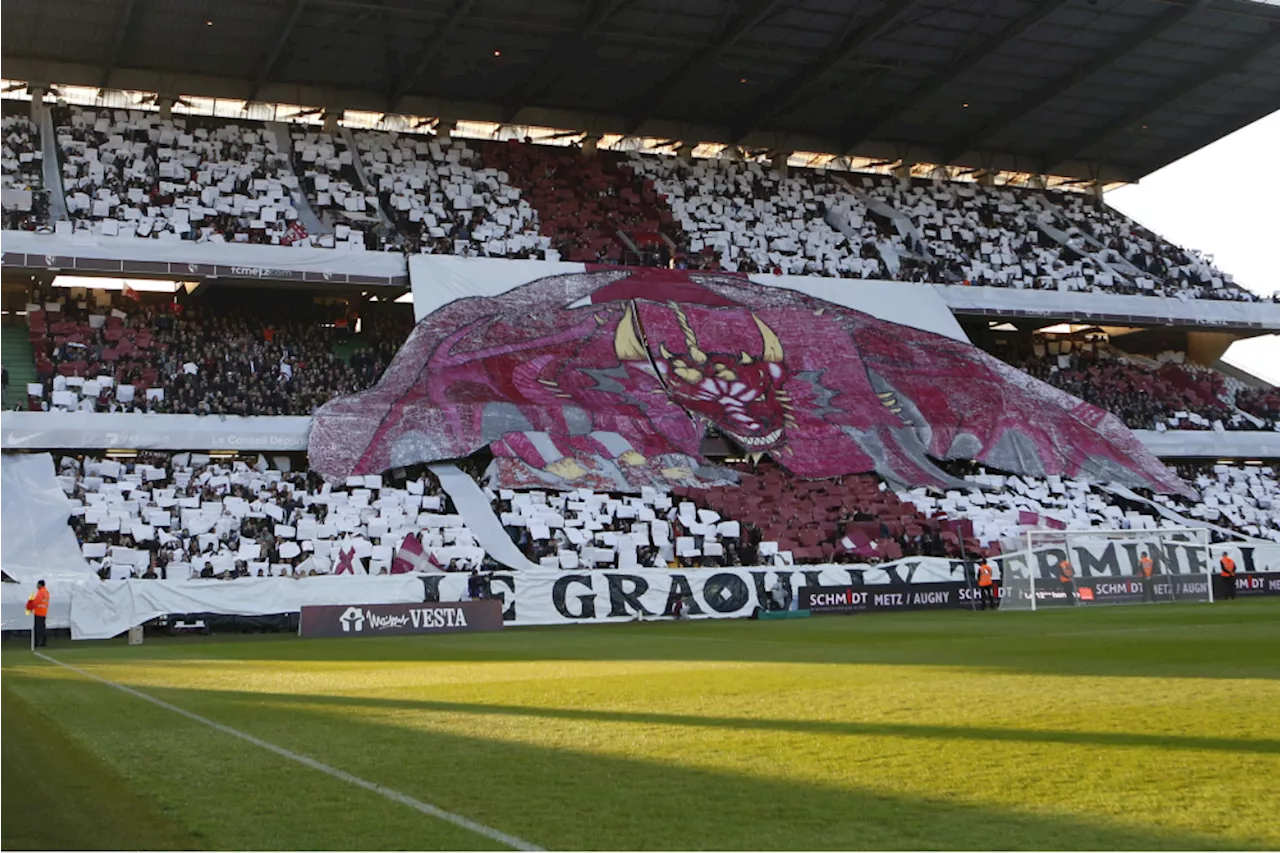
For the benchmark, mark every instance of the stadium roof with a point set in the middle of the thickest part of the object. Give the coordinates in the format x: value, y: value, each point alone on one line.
x: 1095, y: 89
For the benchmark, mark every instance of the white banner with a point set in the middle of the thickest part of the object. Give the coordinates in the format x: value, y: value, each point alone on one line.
x: 104, y: 609
x: 440, y: 279
x: 557, y: 597
x: 98, y: 430
x: 1109, y: 307
x: 1249, y: 558
x: 13, y: 605
x: 248, y: 260
x: 35, y: 541
x: 553, y: 597
x: 1208, y: 444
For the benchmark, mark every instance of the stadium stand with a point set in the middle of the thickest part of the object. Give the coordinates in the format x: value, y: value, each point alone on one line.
x: 21, y: 169
x: 1163, y: 268
x: 586, y: 529
x: 126, y: 355
x: 1023, y: 238
x: 1164, y: 397
x: 1001, y: 507
x: 445, y: 200
x: 174, y: 516
x: 131, y: 173
x: 326, y: 170
x: 1263, y: 403
x: 593, y: 208
x: 746, y: 217
x: 852, y: 519
x: 179, y: 516
x: 1242, y: 498
x: 132, y: 356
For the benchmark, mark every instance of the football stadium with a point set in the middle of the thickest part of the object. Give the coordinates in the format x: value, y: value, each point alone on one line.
x: 635, y: 424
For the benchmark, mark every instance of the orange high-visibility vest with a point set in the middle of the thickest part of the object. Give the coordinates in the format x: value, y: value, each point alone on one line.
x: 1228, y: 567
x: 38, y: 603
x: 1064, y: 571
x: 1146, y: 567
x: 984, y: 575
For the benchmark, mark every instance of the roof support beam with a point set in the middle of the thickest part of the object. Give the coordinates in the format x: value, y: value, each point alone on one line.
x: 855, y: 37
x: 1231, y: 63
x: 429, y: 51
x: 660, y: 91
x: 267, y: 62
x: 857, y: 132
x: 599, y: 12
x: 123, y: 23
x: 1170, y: 18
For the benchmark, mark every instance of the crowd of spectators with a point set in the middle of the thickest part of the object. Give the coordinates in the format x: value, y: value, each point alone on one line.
x: 850, y: 519
x: 1028, y: 239
x: 747, y: 217
x: 23, y: 158
x: 1262, y: 403
x: 1244, y: 499
x: 95, y: 351
x: 26, y: 204
x: 180, y: 516
x: 593, y: 209
x: 1164, y: 269
x: 443, y: 199
x: 128, y: 355
x: 130, y: 173
x: 585, y: 530
x: 981, y: 236
x: 1145, y: 395
x: 327, y: 173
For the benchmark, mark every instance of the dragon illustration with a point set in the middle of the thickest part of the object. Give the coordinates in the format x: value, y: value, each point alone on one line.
x: 610, y: 378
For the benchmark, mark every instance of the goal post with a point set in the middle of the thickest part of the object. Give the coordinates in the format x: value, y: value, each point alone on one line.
x: 1069, y: 568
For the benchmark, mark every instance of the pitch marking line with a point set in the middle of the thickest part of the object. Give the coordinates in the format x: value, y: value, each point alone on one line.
x: 391, y: 794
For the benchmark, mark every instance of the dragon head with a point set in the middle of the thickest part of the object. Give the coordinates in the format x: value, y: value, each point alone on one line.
x: 740, y: 394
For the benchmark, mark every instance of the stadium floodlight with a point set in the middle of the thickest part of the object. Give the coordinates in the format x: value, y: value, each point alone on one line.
x: 1106, y: 566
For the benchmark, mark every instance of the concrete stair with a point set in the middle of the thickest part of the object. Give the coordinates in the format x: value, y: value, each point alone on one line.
x: 19, y: 359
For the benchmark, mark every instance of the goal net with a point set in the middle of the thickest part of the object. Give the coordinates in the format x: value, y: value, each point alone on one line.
x: 1071, y: 568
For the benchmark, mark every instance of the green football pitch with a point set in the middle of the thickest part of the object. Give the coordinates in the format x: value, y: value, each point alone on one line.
x: 1120, y: 728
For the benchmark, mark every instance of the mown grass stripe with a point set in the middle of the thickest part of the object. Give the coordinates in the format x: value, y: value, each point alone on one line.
x: 391, y: 794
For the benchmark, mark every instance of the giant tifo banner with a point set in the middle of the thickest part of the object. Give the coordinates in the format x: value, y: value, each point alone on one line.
x: 609, y: 378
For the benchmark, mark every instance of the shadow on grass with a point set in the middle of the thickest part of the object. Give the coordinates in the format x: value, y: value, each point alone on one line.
x: 814, y: 727
x: 57, y: 796
x: 563, y: 797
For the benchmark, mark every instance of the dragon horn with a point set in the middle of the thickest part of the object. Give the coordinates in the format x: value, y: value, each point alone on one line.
x: 625, y: 341
x: 772, y: 346
x: 690, y: 339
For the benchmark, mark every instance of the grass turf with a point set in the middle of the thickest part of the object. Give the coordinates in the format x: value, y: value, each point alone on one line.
x: 1115, y: 728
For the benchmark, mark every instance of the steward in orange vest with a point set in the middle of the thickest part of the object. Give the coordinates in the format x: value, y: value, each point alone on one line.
x: 1067, y: 577
x: 1146, y: 567
x: 986, y: 586
x: 1228, y: 567
x: 38, y: 606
